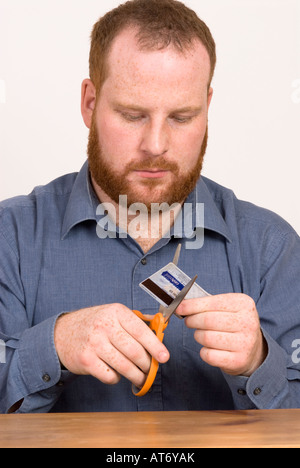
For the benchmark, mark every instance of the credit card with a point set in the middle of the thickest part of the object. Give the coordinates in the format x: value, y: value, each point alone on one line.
x: 166, y: 284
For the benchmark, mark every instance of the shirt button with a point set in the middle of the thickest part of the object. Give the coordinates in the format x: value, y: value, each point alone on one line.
x: 144, y: 261
x: 241, y: 391
x: 257, y: 391
x: 46, y: 378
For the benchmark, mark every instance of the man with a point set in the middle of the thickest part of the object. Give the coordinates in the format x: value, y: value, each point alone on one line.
x: 69, y: 283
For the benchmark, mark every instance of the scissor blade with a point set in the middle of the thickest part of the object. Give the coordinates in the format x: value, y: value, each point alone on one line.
x: 177, y: 255
x: 168, y: 311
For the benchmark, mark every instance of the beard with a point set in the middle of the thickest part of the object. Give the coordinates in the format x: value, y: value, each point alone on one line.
x: 115, y: 183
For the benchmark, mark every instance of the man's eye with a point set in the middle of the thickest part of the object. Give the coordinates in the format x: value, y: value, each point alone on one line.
x: 182, y: 119
x: 131, y: 117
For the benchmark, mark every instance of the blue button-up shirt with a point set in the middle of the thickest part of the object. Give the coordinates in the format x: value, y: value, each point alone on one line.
x: 53, y: 261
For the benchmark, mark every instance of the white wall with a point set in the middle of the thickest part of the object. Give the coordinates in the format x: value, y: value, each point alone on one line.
x: 254, y: 144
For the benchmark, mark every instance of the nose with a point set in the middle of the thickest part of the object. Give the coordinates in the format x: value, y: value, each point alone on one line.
x: 155, y: 139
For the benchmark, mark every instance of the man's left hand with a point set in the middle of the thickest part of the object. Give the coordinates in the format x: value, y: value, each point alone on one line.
x: 228, y: 328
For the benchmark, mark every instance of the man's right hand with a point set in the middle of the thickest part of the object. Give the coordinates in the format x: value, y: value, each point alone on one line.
x: 106, y: 342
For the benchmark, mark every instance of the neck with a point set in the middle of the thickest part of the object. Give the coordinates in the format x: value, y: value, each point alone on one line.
x: 146, y: 227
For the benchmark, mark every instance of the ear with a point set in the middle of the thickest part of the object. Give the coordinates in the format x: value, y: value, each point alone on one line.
x: 88, y: 101
x: 209, y: 96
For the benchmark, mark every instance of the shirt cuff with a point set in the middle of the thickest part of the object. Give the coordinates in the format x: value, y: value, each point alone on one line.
x: 39, y: 363
x: 263, y: 388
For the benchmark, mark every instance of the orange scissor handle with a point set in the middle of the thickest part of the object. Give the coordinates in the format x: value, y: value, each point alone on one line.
x: 158, y: 325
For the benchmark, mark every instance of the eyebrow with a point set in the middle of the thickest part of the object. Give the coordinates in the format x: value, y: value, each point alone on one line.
x: 182, y: 110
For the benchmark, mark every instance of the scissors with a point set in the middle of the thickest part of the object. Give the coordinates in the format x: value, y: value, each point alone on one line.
x: 158, y: 324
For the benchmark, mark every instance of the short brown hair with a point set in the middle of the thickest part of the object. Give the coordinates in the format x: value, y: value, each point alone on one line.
x: 160, y: 23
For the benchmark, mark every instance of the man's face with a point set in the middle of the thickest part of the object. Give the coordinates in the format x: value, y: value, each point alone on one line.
x: 148, y: 133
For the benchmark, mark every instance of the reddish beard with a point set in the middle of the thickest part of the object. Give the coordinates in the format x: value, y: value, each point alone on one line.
x: 115, y: 184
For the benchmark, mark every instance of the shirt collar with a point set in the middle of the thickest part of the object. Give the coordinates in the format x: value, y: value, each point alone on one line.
x: 213, y: 220
x: 83, y: 202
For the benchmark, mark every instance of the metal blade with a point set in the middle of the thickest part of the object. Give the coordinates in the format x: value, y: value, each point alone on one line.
x: 168, y: 311
x: 177, y: 255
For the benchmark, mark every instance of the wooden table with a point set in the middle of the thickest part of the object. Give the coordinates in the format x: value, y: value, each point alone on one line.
x: 257, y: 428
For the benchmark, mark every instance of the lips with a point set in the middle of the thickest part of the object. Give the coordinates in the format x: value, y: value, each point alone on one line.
x: 151, y: 174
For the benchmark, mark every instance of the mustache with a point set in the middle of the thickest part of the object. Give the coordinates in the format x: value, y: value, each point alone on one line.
x: 158, y: 162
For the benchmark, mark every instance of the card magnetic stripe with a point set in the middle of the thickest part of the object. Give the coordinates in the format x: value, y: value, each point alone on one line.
x: 157, y: 291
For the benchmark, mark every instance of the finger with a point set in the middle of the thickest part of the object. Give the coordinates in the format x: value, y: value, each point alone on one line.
x: 100, y: 370
x: 132, y: 349
x: 120, y: 364
x: 141, y: 332
x: 217, y: 321
x: 218, y: 358
x: 218, y: 340
x: 232, y: 302
x: 230, y: 362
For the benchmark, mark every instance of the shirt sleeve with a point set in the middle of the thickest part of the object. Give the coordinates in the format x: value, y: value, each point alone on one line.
x: 276, y: 383
x: 30, y: 371
x: 268, y: 386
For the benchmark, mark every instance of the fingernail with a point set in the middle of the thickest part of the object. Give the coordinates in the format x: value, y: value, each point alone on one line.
x: 163, y: 356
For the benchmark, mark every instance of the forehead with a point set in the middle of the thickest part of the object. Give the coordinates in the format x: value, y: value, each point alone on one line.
x: 133, y: 71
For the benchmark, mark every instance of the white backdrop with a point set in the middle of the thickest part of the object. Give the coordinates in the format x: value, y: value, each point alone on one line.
x: 254, y: 123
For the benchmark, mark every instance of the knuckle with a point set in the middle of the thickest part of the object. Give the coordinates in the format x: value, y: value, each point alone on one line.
x: 125, y: 367
x: 247, y: 301
x: 197, y: 337
x: 207, y: 339
x: 135, y: 353
x: 240, y: 361
x: 84, y: 359
x: 203, y: 337
x: 207, y: 321
x: 107, y: 315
